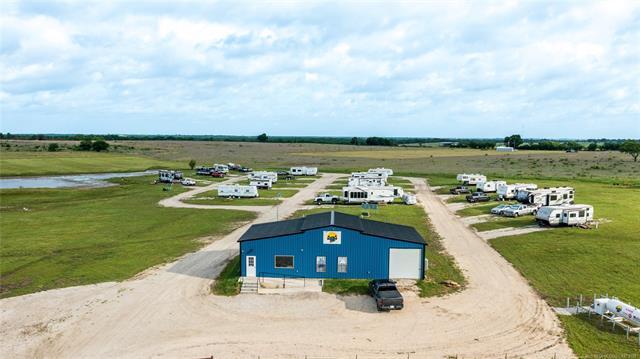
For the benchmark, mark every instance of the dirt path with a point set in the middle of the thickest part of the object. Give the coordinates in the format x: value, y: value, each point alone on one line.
x: 168, y: 312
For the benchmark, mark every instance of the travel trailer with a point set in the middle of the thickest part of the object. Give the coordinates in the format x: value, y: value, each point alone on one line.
x: 388, y: 171
x: 235, y: 190
x: 549, y: 196
x: 303, y: 171
x: 166, y: 176
x: 488, y: 186
x: 363, y: 194
x: 468, y: 179
x: 368, y: 182
x: 369, y: 175
x: 261, y: 184
x: 204, y: 171
x: 510, y: 191
x: 409, y: 198
x: 263, y: 175
x: 567, y: 215
x: 221, y: 168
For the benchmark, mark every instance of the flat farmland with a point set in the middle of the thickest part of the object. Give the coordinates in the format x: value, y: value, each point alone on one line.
x: 427, y: 152
x: 614, y: 166
x: 73, y: 162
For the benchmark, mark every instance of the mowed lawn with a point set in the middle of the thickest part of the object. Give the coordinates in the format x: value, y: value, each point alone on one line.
x: 54, y: 163
x: 565, y: 262
x: 441, y: 265
x: 66, y: 237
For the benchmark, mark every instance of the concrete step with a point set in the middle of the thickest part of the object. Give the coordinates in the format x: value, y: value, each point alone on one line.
x: 249, y: 287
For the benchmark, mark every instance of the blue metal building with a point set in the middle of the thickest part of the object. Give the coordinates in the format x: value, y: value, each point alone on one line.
x: 332, y: 245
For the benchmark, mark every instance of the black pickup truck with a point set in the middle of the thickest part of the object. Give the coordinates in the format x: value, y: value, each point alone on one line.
x: 478, y: 197
x: 386, y: 294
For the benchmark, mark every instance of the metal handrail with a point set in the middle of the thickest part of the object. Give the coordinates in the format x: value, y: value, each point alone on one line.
x: 284, y: 276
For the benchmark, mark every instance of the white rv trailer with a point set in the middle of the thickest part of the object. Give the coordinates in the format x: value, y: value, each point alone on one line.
x: 221, y: 168
x: 368, y: 182
x: 303, y: 171
x: 369, y: 175
x: 550, y: 196
x: 409, y: 198
x: 488, y: 186
x: 618, y: 309
x: 166, y: 176
x: 509, y: 191
x: 468, y: 179
x: 263, y: 175
x: 235, y: 190
x: 568, y: 215
x: 362, y: 194
x: 261, y: 184
x: 388, y: 171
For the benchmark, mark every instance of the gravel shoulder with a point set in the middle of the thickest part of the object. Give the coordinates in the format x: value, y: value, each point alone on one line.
x: 168, y: 311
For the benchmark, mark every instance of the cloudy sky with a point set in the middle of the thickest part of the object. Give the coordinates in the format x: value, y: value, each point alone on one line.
x: 432, y: 69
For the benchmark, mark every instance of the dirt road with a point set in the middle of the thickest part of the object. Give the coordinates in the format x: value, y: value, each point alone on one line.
x: 168, y: 312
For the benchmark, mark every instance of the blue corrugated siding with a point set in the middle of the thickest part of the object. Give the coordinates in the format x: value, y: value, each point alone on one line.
x: 368, y: 256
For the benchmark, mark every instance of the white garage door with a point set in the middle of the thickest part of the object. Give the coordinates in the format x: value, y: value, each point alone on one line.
x: 404, y: 263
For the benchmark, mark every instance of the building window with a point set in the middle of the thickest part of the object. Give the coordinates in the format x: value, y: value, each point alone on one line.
x: 284, y: 262
x: 581, y: 214
x: 572, y: 215
x: 321, y: 264
x: 342, y: 264
x: 251, y: 261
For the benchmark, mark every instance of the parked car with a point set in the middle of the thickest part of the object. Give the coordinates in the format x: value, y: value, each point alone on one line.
x: 217, y: 174
x: 478, y: 197
x: 459, y: 190
x: 326, y: 198
x: 246, y: 169
x: 386, y: 294
x: 188, y: 182
x: 520, y: 210
x: 499, y: 209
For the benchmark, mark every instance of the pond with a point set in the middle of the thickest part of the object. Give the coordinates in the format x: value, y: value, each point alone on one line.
x: 81, y: 180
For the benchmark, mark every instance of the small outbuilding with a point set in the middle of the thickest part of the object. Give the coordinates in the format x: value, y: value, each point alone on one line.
x: 332, y: 245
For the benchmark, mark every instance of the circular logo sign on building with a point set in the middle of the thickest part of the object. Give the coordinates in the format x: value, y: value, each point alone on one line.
x: 331, y: 237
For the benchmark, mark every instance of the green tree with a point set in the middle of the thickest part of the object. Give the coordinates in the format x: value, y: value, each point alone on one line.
x: 85, y: 145
x: 513, y: 141
x: 53, y: 147
x: 573, y: 145
x: 263, y: 137
x: 354, y: 141
x: 631, y: 148
x: 100, y: 145
x: 592, y: 146
x: 192, y: 164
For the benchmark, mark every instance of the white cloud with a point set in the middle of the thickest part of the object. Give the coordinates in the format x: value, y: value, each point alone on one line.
x: 355, y: 66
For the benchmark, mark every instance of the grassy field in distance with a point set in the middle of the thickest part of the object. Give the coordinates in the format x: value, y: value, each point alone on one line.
x: 70, y: 237
x: 612, y: 166
x: 413, y: 153
x: 54, y: 163
x: 441, y: 265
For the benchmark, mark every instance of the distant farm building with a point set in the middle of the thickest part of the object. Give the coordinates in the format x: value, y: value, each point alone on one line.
x: 332, y: 245
x: 505, y: 149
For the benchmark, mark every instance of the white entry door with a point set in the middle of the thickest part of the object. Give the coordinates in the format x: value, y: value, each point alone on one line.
x: 251, y: 266
x: 404, y: 263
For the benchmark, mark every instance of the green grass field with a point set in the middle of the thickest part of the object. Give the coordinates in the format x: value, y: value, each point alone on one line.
x: 273, y: 193
x: 565, y: 262
x: 54, y: 238
x: 227, y: 283
x: 234, y: 201
x: 52, y: 163
x: 441, y: 265
x: 502, y: 222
